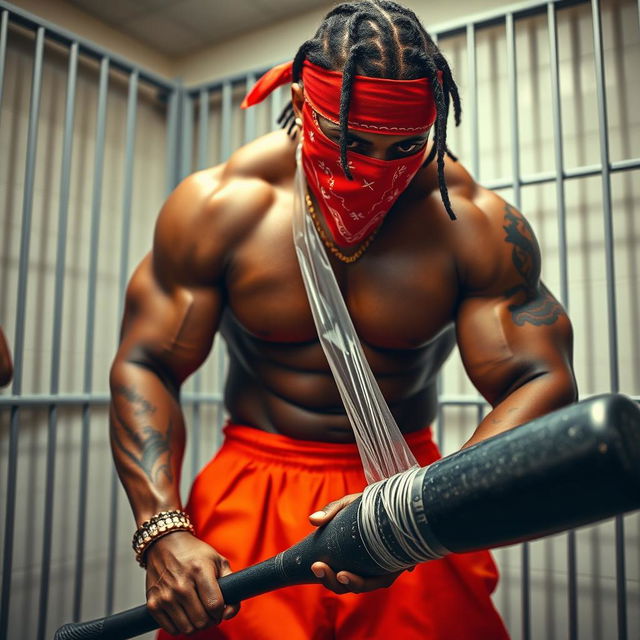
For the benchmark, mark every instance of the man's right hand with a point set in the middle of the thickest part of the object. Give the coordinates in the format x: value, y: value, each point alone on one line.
x: 182, y: 587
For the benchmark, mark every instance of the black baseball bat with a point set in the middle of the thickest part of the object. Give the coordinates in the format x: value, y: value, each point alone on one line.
x: 573, y: 467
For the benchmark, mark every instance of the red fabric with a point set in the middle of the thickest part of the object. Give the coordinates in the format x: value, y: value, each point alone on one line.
x: 353, y: 209
x: 272, y: 79
x: 378, y: 105
x: 253, y: 500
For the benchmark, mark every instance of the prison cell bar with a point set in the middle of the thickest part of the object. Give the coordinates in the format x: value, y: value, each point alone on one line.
x: 87, y: 384
x: 25, y: 236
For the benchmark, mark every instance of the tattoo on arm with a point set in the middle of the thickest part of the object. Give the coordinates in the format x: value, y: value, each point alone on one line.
x: 535, y: 303
x: 149, y: 444
x: 144, y: 406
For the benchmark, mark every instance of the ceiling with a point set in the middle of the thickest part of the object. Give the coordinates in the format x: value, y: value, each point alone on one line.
x: 180, y: 27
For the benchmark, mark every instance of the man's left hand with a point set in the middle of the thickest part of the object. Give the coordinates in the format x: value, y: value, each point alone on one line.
x: 344, y: 581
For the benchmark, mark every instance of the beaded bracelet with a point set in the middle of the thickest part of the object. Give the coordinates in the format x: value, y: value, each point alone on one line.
x: 153, y: 529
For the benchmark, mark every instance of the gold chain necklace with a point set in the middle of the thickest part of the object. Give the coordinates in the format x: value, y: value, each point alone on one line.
x: 330, y: 245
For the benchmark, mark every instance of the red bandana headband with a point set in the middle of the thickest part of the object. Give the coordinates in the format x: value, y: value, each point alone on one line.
x: 378, y: 105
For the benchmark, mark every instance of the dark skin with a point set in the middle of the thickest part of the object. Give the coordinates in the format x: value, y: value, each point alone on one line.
x: 223, y: 259
x: 6, y: 365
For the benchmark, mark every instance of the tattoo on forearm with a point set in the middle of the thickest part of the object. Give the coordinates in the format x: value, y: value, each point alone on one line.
x: 142, y: 404
x: 151, y: 449
x: 535, y: 303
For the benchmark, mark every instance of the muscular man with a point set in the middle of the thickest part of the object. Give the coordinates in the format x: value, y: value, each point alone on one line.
x: 414, y: 281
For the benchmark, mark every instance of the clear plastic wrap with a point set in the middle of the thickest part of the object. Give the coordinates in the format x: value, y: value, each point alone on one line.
x: 383, y: 449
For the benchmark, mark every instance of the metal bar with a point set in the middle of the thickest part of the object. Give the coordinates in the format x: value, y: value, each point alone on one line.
x: 250, y: 114
x: 203, y: 144
x: 479, y: 413
x: 128, y: 185
x: 196, y: 435
x: 63, y: 220
x: 567, y: 174
x: 3, y: 48
x: 79, y: 399
x: 559, y: 152
x: 472, y: 96
x: 203, y: 130
x: 225, y: 124
x: 173, y: 140
x: 624, y: 165
x: 186, y: 136
x: 515, y: 170
x: 124, y: 271
x: 98, y: 164
x: 621, y: 589
x: 606, y: 198
x: 27, y: 208
x: 55, y: 32
x: 440, y: 415
x: 275, y: 106
x: 513, y: 105
x: 572, y: 583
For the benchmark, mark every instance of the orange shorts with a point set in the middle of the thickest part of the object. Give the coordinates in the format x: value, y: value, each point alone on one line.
x: 253, y: 500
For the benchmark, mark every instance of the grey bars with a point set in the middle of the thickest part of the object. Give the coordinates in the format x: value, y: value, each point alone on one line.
x: 63, y: 218
x: 18, y: 352
x: 87, y: 386
x: 124, y: 272
x: 603, y: 127
x: 4, y: 20
x: 515, y: 169
x: 552, y: 28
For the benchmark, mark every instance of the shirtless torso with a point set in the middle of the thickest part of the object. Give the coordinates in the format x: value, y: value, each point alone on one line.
x: 223, y: 259
x: 401, y: 295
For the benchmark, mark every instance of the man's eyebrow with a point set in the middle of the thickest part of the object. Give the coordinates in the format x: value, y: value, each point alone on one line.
x: 335, y: 129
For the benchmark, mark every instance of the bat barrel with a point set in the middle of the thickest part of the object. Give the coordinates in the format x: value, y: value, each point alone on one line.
x: 567, y: 469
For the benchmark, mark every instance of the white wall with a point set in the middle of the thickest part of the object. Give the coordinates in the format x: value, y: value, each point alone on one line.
x: 587, y: 302
x: 68, y: 16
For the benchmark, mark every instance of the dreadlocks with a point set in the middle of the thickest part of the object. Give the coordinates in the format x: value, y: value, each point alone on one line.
x: 380, y: 39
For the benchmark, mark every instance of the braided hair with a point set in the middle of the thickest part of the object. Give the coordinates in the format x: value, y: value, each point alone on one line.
x: 380, y: 39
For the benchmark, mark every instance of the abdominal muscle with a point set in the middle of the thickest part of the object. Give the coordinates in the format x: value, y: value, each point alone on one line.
x: 291, y: 390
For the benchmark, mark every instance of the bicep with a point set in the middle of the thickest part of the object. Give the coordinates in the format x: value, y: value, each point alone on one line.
x: 508, y: 340
x: 168, y: 324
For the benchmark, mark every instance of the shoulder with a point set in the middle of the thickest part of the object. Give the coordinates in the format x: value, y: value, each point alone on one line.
x: 211, y: 211
x: 492, y: 243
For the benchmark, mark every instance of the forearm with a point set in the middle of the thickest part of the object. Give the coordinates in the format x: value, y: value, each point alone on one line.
x: 535, y: 398
x: 147, y: 438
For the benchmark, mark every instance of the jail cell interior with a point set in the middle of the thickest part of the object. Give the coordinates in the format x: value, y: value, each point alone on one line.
x: 91, y: 145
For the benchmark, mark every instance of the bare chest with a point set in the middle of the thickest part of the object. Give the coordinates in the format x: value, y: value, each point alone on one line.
x: 400, y: 294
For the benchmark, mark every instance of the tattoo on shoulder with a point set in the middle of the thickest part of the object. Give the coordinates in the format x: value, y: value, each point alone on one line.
x: 535, y: 303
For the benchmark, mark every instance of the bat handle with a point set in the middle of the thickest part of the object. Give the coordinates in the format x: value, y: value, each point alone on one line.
x: 127, y: 624
x: 247, y: 583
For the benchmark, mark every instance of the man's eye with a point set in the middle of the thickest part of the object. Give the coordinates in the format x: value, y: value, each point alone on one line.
x: 352, y: 143
x: 409, y: 147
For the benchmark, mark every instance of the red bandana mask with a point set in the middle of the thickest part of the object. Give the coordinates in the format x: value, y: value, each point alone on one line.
x: 353, y: 209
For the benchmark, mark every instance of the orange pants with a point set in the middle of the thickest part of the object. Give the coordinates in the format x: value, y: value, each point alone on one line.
x: 253, y: 500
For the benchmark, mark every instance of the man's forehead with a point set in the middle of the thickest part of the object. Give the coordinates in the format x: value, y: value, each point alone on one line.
x: 333, y: 126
